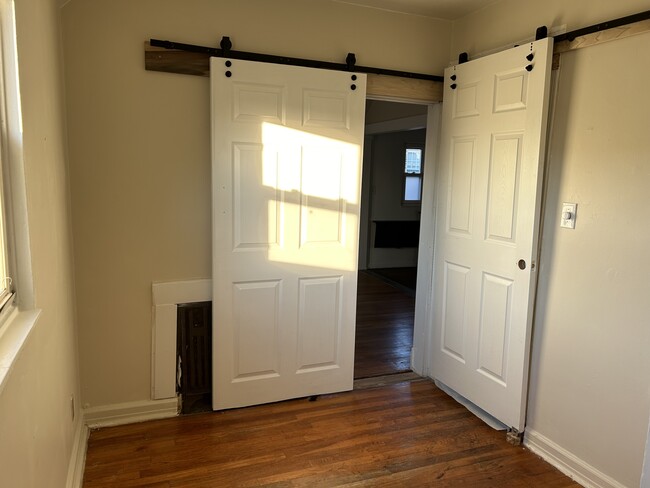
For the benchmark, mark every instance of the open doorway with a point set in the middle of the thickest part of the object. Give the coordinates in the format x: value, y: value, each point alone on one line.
x: 393, y: 170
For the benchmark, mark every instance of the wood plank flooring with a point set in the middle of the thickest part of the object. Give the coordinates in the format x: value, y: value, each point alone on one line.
x: 384, y: 334
x: 405, y: 435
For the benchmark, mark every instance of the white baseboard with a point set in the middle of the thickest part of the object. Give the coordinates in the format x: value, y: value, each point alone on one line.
x: 131, y: 412
x: 568, y: 463
x: 78, y: 456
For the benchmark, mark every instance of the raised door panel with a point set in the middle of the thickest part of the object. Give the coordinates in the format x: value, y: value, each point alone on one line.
x: 466, y: 100
x: 454, y: 313
x: 256, y: 317
x: 504, y: 172
x: 510, y: 90
x: 319, y: 324
x: 494, y: 327
x: 323, y: 208
x: 256, y: 199
x: 254, y: 102
x: 461, y: 179
x: 326, y: 109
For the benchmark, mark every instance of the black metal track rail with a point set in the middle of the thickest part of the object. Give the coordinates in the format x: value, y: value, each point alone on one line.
x: 270, y: 58
x: 610, y: 24
x: 225, y: 52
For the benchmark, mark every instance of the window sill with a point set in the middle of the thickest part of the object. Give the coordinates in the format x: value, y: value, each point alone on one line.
x: 13, y: 335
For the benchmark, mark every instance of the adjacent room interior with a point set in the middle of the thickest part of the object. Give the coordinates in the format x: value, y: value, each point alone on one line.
x: 391, y: 196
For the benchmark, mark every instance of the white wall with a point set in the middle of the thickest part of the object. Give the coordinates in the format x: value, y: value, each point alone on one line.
x: 590, y: 371
x: 37, y: 433
x: 140, y: 148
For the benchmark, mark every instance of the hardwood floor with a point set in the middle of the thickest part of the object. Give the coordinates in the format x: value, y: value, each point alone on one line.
x: 404, y: 435
x: 384, y: 334
x: 409, y: 434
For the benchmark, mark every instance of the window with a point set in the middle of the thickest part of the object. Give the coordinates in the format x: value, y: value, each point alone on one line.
x: 18, y: 316
x: 13, y: 209
x: 413, y: 170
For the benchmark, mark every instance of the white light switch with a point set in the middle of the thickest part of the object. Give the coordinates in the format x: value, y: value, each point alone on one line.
x: 568, y: 217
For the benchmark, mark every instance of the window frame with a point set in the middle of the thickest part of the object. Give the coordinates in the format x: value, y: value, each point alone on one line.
x: 19, y: 316
x: 19, y: 295
x: 405, y: 174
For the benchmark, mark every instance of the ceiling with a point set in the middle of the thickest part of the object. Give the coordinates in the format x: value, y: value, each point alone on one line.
x: 440, y: 9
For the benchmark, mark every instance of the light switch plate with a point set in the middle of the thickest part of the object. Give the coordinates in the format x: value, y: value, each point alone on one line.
x: 568, y: 215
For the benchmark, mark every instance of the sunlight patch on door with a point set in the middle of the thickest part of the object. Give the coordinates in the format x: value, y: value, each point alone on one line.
x: 319, y: 180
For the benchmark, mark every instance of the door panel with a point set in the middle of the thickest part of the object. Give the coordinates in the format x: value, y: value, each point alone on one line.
x: 255, y: 212
x: 454, y: 316
x: 492, y: 147
x: 505, y: 160
x: 319, y: 323
x: 496, y: 303
x: 253, y: 102
x: 287, y: 144
x: 462, y: 174
x: 256, y: 341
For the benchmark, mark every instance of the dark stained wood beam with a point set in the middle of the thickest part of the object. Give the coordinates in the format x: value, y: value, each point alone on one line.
x: 173, y: 61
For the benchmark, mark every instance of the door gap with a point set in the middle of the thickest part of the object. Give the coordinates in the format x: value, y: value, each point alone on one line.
x: 388, y: 242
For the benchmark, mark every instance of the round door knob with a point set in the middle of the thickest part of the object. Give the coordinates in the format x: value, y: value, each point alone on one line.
x: 521, y: 264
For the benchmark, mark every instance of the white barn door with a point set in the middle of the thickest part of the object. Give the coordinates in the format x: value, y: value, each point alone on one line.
x: 286, y: 170
x: 490, y: 179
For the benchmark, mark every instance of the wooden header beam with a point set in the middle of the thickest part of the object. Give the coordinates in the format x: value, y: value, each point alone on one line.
x: 610, y: 34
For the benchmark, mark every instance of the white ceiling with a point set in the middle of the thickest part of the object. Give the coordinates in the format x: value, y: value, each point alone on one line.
x: 439, y: 9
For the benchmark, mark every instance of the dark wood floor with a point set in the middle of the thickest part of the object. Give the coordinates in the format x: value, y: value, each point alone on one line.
x: 404, y: 435
x: 384, y: 335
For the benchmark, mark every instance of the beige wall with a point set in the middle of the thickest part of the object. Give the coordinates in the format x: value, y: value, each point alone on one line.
x: 590, y: 371
x: 140, y: 148
x: 36, y: 427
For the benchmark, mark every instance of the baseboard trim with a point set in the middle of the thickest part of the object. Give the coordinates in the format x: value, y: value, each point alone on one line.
x: 567, y: 462
x: 130, y: 412
x: 78, y: 456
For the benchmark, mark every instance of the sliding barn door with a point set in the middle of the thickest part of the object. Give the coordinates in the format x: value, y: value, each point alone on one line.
x: 286, y: 165
x: 492, y: 150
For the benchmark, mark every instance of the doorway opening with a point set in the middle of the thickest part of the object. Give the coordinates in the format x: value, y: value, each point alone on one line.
x: 393, y: 170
